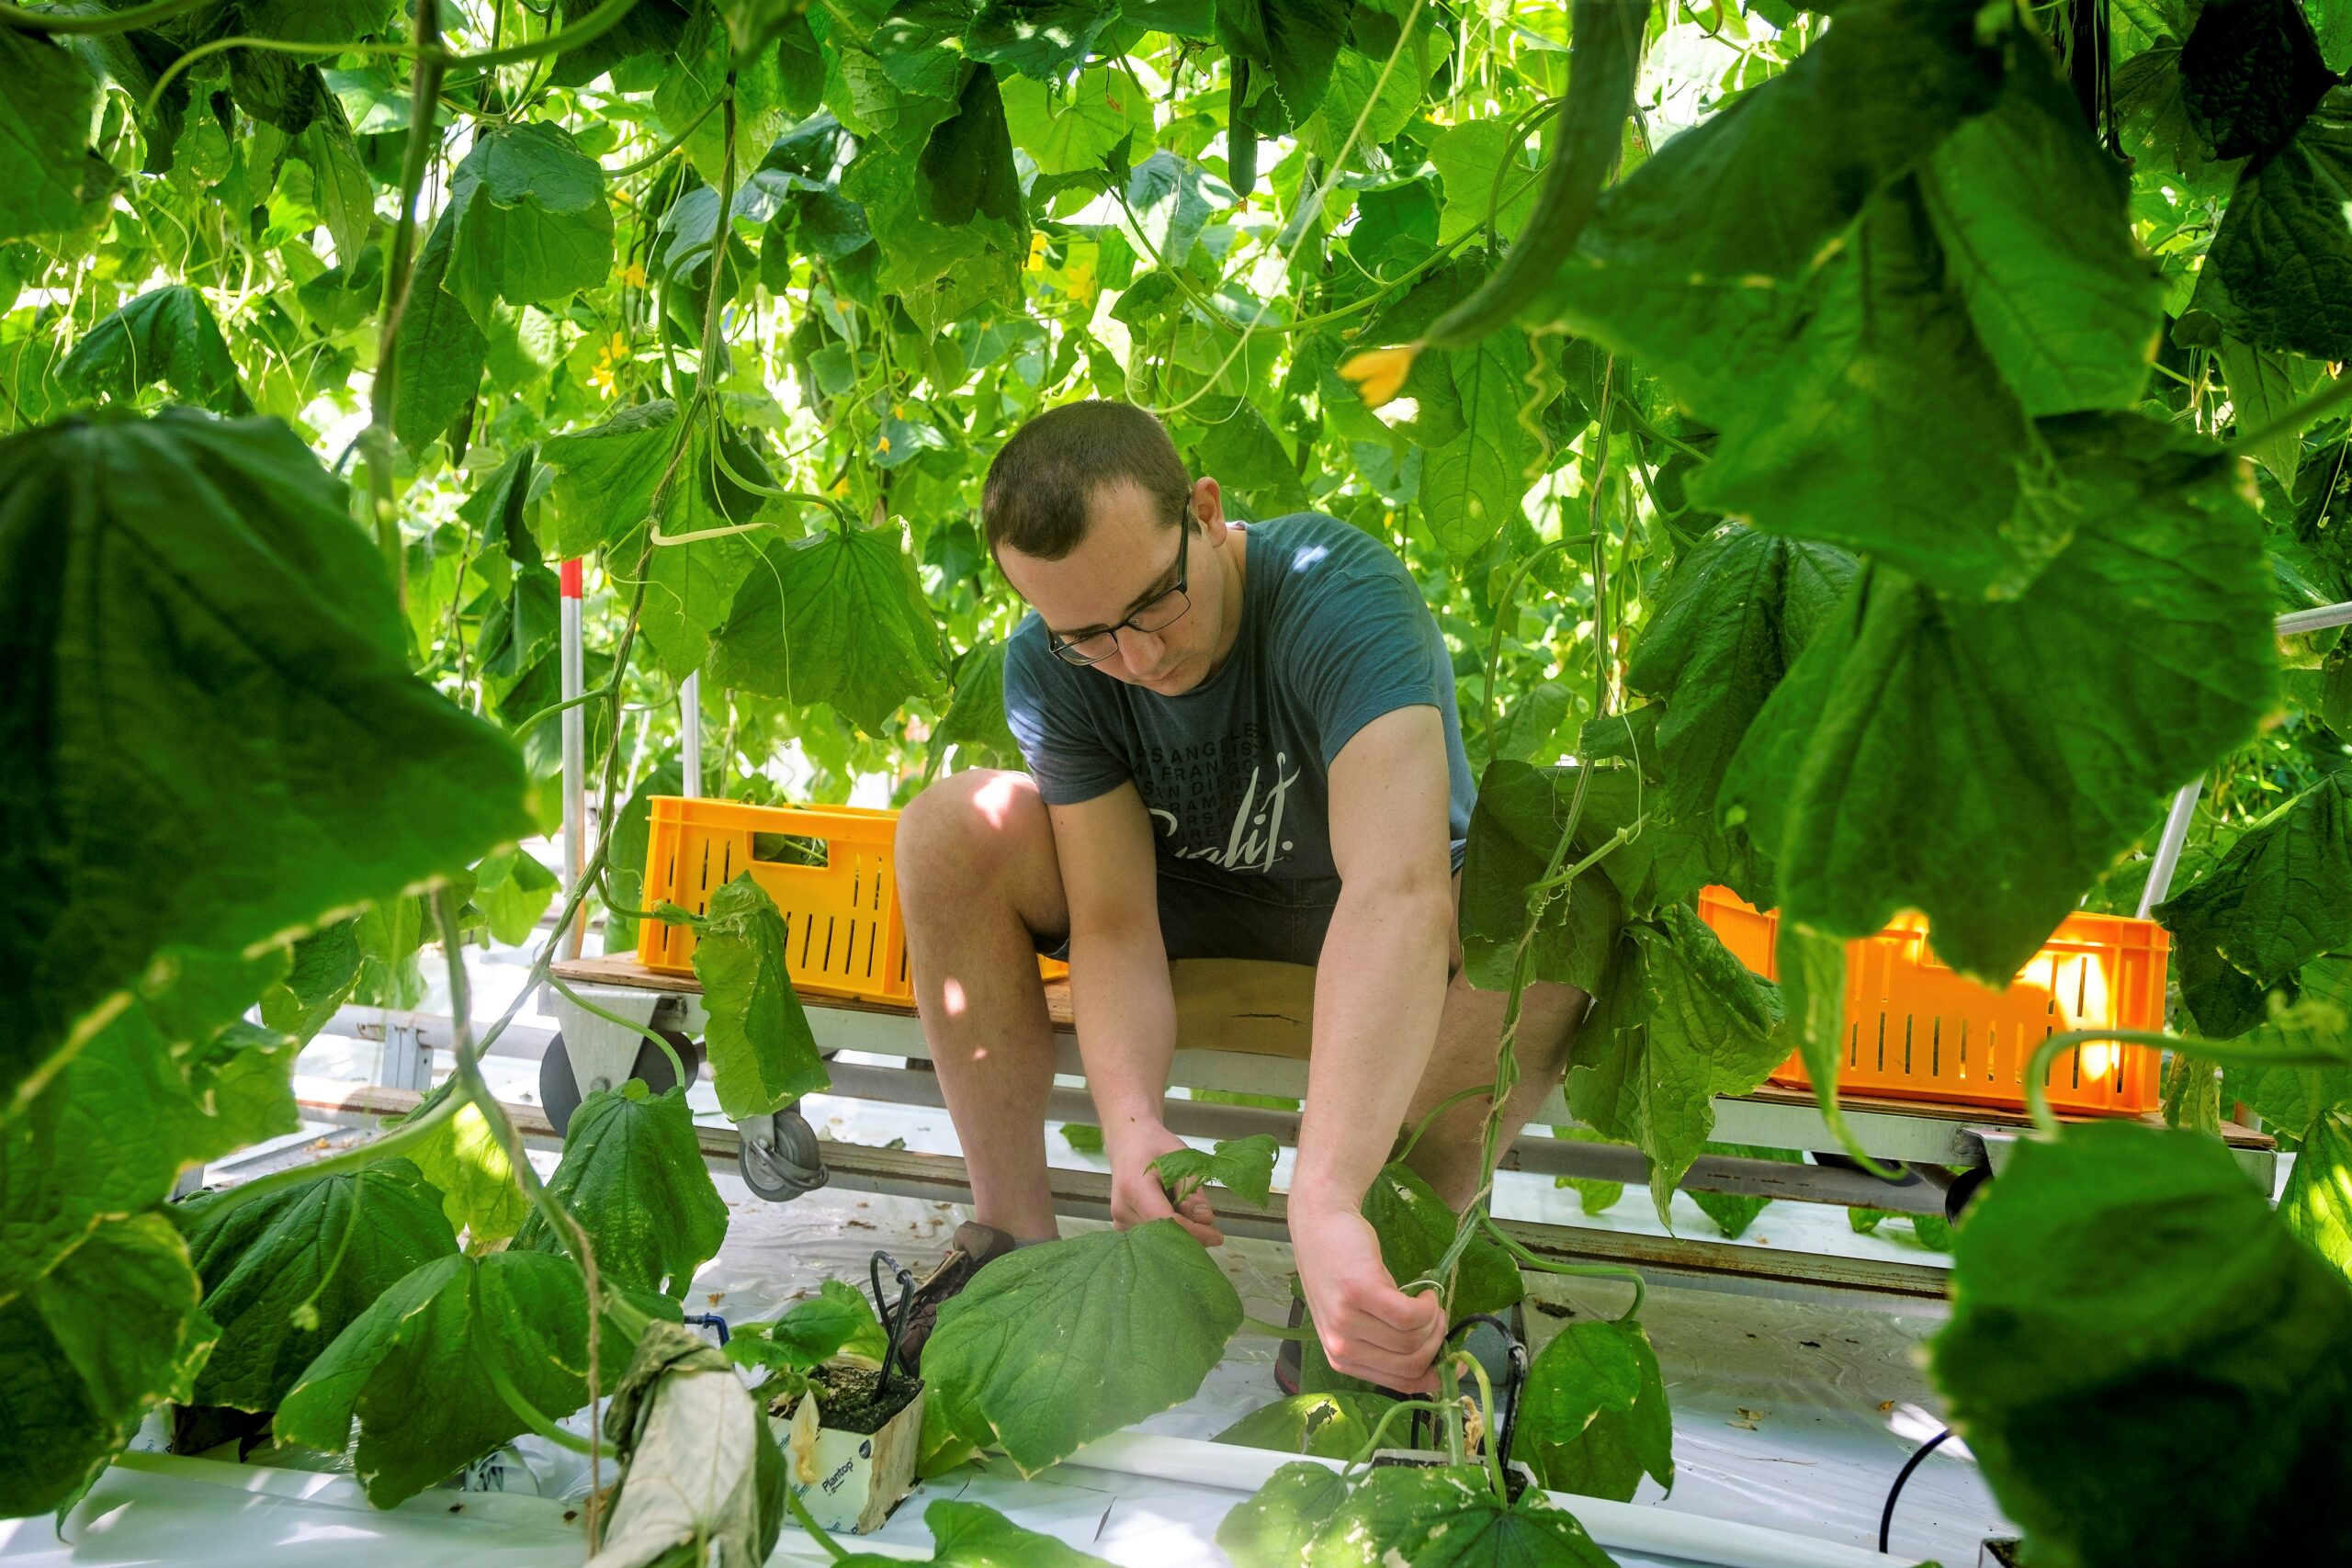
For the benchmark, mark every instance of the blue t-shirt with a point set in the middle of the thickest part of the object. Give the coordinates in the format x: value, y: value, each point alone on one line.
x: 1236, y: 772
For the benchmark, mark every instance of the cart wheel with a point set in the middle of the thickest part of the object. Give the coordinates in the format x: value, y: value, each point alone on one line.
x: 779, y: 1158
x: 1963, y: 1187
x: 559, y: 1093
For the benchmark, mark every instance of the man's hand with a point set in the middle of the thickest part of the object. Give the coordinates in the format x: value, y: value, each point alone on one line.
x: 1136, y: 1195
x: 1370, y: 1328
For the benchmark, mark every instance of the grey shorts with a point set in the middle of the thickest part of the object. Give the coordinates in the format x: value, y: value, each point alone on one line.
x: 1238, y: 917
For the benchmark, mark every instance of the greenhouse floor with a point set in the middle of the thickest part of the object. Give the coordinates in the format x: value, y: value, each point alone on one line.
x: 1790, y: 1414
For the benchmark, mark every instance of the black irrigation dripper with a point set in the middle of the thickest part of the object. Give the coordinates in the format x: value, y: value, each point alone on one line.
x: 894, y: 1322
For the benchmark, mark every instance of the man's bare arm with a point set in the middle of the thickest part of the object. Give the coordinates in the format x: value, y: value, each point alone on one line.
x: 1120, y: 999
x: 1379, y: 993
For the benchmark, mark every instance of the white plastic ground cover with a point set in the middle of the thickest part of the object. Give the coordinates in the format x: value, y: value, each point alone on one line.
x: 1789, y: 1417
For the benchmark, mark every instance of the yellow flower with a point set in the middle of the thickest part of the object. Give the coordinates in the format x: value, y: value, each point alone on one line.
x: 881, y: 444
x: 607, y: 358
x: 1379, y: 373
x: 633, y: 275
x: 1036, y: 249
x: 841, y: 487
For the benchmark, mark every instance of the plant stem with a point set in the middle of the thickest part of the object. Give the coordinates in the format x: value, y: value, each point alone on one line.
x: 801, y: 1515
x: 1275, y: 1331
x: 1492, y: 1445
x: 399, y: 273
x: 1534, y: 1261
x: 530, y: 1415
x: 384, y: 1145
x: 471, y: 1085
x: 2037, y: 1065
x: 1440, y: 1108
x: 1502, y: 619
x: 1380, y: 1428
x: 2297, y: 419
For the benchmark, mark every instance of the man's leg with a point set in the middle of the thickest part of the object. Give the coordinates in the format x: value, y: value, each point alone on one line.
x: 976, y: 878
x: 1470, y: 1029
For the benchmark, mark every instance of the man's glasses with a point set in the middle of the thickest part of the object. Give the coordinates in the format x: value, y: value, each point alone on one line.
x: 1156, y: 616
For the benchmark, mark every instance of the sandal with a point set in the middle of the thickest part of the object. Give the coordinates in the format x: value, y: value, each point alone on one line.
x: 974, y: 1246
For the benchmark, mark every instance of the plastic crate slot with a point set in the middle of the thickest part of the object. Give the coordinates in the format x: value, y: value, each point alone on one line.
x: 807, y: 935
x: 873, y: 935
x: 881, y: 875
x: 791, y: 849
x: 849, y: 949
x: 726, y: 862
x: 831, y: 920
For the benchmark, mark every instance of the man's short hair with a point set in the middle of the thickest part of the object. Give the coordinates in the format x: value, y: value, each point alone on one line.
x: 1037, y: 489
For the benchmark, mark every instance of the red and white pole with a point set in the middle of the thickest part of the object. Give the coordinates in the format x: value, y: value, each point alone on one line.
x: 575, y: 749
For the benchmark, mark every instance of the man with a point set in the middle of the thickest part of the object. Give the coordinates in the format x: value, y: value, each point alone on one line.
x: 1242, y: 742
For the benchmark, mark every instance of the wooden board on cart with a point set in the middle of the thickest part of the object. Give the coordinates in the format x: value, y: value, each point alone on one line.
x: 1245, y: 1007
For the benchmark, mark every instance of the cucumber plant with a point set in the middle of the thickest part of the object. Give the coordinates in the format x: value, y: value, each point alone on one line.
x: 1871, y: 440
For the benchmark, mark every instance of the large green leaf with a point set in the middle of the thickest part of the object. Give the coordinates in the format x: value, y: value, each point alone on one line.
x: 326, y: 966
x: 763, y: 1056
x: 1273, y: 1527
x: 1333, y: 1425
x: 1054, y: 1346
x: 1683, y: 269
x: 633, y: 1176
x: 2281, y: 897
x: 1243, y: 1167
x: 285, y: 1274
x: 1827, y: 444
x: 166, y: 334
x: 625, y: 856
x: 970, y: 1535
x: 1044, y: 38
x: 2127, y: 1311
x: 1448, y: 1517
x: 839, y: 618
x: 433, y: 1370
x: 112, y: 1331
x: 1472, y: 159
x: 1416, y: 1230
x: 1736, y: 615
x: 148, y: 1096
x: 45, y: 98
x: 464, y: 1162
x: 1964, y: 758
x: 812, y: 1331
x: 532, y: 221
x: 1294, y: 41
x: 1593, y: 1416
x: 1471, y: 486
x: 1077, y: 128
x: 2030, y: 211
x: 220, y: 739
x: 2250, y: 70
x: 2283, y: 259
x: 1676, y: 1021
x: 954, y: 235
x: 2317, y: 1201
x: 441, y: 349
x: 1513, y: 829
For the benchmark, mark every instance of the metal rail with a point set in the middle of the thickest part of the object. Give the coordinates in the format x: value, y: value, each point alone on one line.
x: 1085, y: 1194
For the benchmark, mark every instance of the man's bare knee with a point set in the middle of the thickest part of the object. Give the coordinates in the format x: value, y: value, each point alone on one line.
x: 974, y: 836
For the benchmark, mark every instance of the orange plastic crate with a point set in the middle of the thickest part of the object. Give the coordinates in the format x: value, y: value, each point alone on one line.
x: 841, y: 933
x: 1915, y: 1030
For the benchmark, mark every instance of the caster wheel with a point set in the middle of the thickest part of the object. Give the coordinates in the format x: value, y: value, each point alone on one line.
x: 779, y: 1159
x: 559, y: 1093
x: 1963, y: 1188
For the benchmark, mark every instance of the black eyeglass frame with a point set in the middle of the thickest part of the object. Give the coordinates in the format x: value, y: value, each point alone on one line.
x: 1067, y: 651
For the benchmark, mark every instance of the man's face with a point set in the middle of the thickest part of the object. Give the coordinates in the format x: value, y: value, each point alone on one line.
x: 1128, y: 558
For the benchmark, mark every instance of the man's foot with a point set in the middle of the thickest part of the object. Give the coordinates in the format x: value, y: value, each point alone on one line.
x: 975, y: 1245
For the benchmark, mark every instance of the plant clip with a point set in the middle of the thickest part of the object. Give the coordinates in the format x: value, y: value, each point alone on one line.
x: 894, y: 1322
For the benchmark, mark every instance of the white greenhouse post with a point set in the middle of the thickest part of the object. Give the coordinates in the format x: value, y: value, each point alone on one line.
x: 575, y: 759
x: 690, y: 734
x: 2184, y: 805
